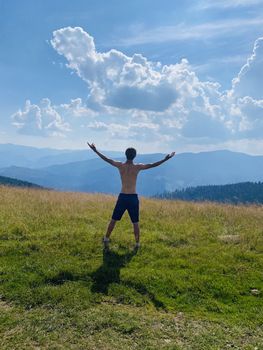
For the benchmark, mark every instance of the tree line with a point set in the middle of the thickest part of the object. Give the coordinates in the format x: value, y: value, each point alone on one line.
x: 244, y: 192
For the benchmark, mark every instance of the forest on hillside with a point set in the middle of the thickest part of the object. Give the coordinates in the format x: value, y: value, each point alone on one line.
x: 244, y: 192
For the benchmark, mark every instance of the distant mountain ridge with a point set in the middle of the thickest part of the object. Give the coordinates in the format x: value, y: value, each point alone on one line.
x: 244, y: 192
x: 184, y: 170
x: 32, y: 157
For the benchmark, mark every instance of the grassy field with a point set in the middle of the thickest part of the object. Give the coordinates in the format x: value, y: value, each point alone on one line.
x: 196, y: 283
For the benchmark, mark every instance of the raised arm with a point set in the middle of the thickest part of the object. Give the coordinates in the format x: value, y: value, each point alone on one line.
x: 102, y: 156
x: 153, y: 165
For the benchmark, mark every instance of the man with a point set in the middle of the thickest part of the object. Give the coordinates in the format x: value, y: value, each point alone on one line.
x: 128, y: 198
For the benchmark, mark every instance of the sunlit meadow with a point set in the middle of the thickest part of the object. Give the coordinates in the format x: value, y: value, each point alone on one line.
x: 195, y: 283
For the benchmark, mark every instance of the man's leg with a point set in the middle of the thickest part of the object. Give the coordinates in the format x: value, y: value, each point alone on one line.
x: 106, y: 238
x: 133, y: 210
x: 136, y: 230
x: 116, y: 215
x: 110, y: 228
x: 118, y: 211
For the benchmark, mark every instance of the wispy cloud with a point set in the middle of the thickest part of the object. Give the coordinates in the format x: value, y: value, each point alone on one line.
x: 206, y: 4
x: 184, y: 31
x: 233, y: 60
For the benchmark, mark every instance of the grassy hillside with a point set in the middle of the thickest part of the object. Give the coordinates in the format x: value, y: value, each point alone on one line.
x: 8, y: 181
x: 196, y: 283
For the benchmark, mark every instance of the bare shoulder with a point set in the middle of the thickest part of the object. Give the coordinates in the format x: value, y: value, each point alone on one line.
x: 117, y: 164
x: 139, y: 166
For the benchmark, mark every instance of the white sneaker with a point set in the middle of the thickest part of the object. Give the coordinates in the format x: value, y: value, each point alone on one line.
x: 105, y: 241
x: 137, y: 245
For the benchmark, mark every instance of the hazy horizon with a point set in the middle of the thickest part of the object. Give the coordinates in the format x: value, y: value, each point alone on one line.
x: 123, y: 150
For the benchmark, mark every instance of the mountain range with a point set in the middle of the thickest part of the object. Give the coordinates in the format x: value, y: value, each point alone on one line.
x: 72, y: 173
x: 32, y: 157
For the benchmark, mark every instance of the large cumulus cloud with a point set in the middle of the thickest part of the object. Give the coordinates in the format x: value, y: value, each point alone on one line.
x: 114, y: 78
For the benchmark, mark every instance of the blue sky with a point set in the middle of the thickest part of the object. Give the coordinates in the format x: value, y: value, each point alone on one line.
x: 159, y: 75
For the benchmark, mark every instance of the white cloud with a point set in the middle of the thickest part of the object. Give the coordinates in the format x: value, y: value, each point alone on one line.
x: 139, y: 131
x: 252, y: 112
x: 246, y: 95
x: 131, y: 98
x: 47, y: 119
x: 134, y: 83
x: 76, y: 108
x: 115, y: 79
x: 42, y: 120
x: 250, y: 78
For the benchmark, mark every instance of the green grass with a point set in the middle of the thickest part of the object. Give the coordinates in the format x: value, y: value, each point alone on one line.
x: 186, y: 288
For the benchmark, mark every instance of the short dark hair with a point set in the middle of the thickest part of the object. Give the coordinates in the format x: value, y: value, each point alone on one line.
x: 130, y: 153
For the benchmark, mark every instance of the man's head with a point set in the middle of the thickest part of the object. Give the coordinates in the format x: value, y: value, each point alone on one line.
x: 130, y: 153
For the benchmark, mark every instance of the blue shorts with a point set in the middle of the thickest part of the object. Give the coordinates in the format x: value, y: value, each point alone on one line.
x: 129, y: 202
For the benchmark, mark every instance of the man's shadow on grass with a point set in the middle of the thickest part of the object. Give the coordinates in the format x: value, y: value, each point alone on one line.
x: 109, y: 272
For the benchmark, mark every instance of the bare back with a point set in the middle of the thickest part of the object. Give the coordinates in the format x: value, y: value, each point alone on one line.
x: 128, y: 172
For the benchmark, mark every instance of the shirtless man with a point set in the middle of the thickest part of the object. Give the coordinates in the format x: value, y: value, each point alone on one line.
x: 128, y: 198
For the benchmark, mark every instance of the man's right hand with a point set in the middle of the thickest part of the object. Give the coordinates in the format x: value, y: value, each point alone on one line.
x: 92, y: 146
x: 169, y: 156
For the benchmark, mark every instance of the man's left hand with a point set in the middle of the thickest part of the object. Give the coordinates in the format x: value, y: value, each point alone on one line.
x: 169, y: 156
x: 92, y: 146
